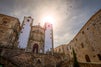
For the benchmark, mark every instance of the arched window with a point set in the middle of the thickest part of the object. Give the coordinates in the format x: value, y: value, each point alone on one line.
x: 87, y: 58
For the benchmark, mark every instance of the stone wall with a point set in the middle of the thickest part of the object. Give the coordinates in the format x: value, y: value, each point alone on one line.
x: 87, y: 42
x: 60, y: 49
x: 19, y: 58
x: 9, y: 31
x: 90, y: 64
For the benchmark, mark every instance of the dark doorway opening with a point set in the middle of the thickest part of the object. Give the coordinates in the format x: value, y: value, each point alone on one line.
x: 99, y: 56
x: 87, y: 58
x: 38, y: 61
x: 35, y: 48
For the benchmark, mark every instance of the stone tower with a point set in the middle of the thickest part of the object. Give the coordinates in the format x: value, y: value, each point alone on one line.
x: 48, y: 38
x: 25, y: 32
x: 36, y: 40
x: 9, y: 31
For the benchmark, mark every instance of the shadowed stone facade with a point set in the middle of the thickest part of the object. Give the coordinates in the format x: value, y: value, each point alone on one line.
x: 87, y: 43
x: 9, y: 31
x: 25, y: 32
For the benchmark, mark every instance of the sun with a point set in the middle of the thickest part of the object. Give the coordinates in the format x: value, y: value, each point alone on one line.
x: 50, y: 19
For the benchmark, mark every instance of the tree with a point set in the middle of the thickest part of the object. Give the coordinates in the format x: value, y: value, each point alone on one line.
x: 75, y: 62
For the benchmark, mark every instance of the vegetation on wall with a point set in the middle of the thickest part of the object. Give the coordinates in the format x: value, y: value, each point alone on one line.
x: 75, y: 62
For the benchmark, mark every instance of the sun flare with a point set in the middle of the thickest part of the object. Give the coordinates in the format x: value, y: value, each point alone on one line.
x: 49, y: 19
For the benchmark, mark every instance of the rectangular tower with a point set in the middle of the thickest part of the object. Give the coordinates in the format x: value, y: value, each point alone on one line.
x: 48, y: 38
x: 25, y: 32
x: 9, y: 31
x: 36, y: 40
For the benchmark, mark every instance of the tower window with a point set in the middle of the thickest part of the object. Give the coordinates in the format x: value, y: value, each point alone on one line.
x: 87, y: 28
x: 82, y: 32
x: 76, y: 39
x: 82, y: 45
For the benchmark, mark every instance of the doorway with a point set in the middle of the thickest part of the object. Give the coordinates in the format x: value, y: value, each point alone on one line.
x: 87, y: 58
x: 35, y: 48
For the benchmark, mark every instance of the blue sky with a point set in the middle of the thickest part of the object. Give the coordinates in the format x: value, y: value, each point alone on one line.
x: 70, y: 15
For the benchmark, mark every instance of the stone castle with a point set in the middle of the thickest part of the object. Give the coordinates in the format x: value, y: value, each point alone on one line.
x: 37, y: 36
x: 25, y: 36
x: 15, y: 36
x: 86, y: 45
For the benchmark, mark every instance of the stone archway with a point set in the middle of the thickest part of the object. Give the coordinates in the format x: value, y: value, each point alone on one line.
x: 35, y: 48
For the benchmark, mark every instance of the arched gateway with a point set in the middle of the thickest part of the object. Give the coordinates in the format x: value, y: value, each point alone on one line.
x: 35, y: 48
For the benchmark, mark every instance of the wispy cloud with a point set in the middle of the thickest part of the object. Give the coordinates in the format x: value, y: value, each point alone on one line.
x: 70, y: 15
